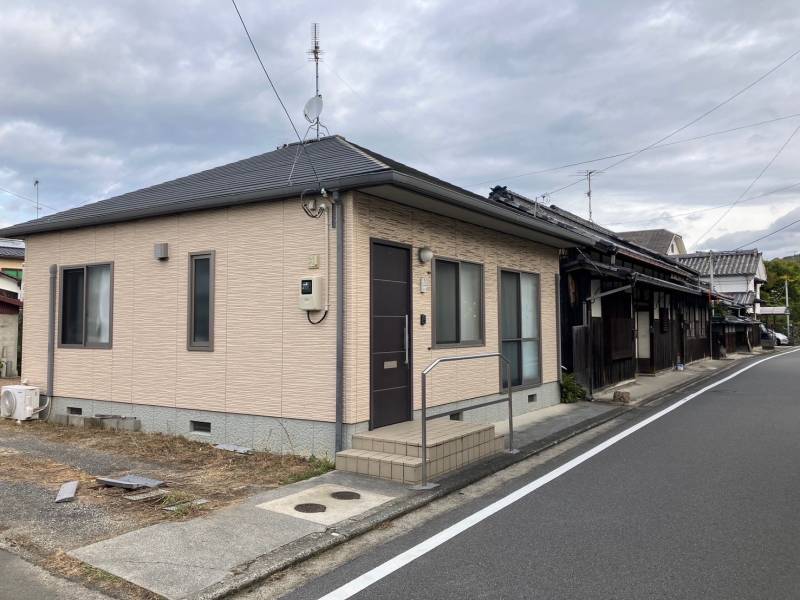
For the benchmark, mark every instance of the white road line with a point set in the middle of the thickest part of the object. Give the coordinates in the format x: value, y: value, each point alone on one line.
x: 398, y: 562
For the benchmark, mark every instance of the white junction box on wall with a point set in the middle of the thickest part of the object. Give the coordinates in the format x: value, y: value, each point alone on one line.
x: 311, y: 296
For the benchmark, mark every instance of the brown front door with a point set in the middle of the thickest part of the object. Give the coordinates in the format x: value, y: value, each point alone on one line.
x: 390, y: 333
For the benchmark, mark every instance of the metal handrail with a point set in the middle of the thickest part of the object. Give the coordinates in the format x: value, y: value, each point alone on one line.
x: 424, y: 483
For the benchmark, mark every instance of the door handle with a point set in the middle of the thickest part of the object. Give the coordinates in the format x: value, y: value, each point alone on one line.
x: 405, y: 338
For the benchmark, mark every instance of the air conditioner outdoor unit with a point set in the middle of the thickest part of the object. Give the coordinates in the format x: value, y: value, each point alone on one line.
x: 19, y: 402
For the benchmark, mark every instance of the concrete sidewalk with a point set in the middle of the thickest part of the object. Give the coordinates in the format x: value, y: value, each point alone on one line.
x: 648, y: 386
x: 227, y: 550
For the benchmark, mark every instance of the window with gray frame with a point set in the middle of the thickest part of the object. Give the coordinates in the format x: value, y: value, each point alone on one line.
x: 86, y: 306
x: 458, y: 303
x: 201, y: 301
x: 520, y: 326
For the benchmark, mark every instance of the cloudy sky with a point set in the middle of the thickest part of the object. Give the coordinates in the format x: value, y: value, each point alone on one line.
x: 99, y: 98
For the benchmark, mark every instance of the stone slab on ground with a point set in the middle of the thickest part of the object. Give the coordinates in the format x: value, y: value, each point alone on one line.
x: 179, y: 559
x: 336, y: 510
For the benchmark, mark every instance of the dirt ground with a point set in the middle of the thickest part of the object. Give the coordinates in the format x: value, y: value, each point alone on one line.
x: 37, y: 457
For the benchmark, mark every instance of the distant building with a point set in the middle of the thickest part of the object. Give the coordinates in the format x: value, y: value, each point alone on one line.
x: 737, y: 273
x: 662, y: 241
x: 12, y: 257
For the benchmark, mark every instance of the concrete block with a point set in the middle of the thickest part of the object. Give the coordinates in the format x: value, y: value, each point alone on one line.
x: 622, y: 397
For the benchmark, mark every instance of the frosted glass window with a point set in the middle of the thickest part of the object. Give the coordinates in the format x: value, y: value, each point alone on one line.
x: 470, y: 302
x: 529, y: 311
x: 98, y: 304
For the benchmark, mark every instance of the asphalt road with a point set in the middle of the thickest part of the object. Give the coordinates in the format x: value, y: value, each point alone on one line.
x: 703, y: 502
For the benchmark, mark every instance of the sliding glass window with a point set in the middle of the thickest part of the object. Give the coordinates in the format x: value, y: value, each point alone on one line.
x: 86, y: 306
x: 458, y: 303
x: 520, y: 326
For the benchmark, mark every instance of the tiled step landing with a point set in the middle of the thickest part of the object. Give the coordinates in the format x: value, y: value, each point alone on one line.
x: 393, y: 452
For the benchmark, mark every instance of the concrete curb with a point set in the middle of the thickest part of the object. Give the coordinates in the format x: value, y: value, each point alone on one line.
x: 306, y: 547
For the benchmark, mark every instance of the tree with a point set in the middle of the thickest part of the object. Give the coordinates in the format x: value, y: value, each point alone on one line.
x: 780, y: 270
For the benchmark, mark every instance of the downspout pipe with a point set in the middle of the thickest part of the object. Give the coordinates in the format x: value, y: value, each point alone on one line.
x: 51, y: 338
x: 338, y: 223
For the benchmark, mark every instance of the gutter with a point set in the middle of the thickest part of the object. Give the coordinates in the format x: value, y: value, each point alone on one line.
x: 338, y: 223
x: 51, y: 335
x: 466, y: 200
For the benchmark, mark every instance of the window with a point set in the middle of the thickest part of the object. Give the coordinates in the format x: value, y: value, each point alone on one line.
x: 458, y: 303
x: 519, y: 326
x: 86, y: 296
x: 201, y: 301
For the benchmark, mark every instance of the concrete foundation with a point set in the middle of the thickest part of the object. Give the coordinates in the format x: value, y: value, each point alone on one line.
x: 284, y: 436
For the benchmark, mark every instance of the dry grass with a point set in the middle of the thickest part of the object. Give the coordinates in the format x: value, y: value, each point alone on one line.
x: 75, y: 570
x: 196, y: 467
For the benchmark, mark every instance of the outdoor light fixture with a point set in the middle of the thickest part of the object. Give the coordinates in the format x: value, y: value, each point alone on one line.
x: 425, y: 255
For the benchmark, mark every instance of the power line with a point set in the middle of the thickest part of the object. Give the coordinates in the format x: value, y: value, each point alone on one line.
x: 657, y: 146
x: 708, y: 112
x: 768, y: 234
x: 702, y: 210
x: 31, y: 200
x: 703, y: 115
x: 752, y: 183
x: 275, y: 90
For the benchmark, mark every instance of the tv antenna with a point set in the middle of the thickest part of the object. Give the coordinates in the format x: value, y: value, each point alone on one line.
x: 313, y: 108
x: 36, y: 185
x: 589, y: 174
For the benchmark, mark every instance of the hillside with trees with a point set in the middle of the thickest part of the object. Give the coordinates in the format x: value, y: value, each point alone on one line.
x: 778, y: 271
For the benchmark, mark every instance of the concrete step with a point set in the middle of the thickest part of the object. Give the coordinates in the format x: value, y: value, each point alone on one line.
x: 388, y: 455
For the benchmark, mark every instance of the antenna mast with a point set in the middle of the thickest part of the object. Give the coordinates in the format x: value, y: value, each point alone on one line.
x: 315, y: 54
x: 588, y: 174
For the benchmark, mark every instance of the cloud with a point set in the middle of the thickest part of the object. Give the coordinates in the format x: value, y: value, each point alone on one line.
x: 783, y: 243
x: 100, y: 98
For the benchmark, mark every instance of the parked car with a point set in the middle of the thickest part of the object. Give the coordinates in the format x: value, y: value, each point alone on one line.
x: 780, y: 339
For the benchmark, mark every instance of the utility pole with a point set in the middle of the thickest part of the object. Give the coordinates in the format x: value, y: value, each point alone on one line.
x: 711, y: 304
x: 786, y: 290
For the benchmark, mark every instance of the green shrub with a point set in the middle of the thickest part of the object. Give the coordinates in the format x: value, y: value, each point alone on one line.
x: 571, y: 390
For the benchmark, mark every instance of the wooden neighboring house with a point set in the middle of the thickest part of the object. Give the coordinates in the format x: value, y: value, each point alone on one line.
x: 291, y: 301
x: 625, y: 309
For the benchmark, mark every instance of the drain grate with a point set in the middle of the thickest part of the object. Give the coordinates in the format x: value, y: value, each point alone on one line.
x: 310, y: 507
x: 346, y: 495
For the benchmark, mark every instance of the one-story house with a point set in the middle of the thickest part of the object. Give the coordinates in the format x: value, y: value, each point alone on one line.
x: 291, y: 300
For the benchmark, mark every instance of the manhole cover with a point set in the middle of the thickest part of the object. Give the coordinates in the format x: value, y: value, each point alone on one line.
x: 310, y: 507
x: 346, y: 495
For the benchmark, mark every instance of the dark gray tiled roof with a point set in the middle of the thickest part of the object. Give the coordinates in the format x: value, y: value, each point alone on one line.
x: 657, y: 240
x: 731, y: 262
x: 289, y: 166
x: 12, y: 252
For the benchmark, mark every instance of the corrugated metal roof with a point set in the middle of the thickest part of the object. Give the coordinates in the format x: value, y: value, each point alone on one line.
x: 658, y: 240
x: 731, y: 262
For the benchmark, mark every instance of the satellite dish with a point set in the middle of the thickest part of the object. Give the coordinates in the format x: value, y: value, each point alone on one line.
x: 313, y: 109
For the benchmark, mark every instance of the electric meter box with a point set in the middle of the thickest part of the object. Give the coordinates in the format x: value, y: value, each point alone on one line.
x: 311, y: 293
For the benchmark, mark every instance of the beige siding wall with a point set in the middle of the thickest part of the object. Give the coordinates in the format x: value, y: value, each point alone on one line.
x: 375, y: 218
x: 267, y: 359
x: 10, y: 263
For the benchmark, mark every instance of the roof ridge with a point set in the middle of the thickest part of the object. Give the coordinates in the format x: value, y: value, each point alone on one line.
x: 360, y: 150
